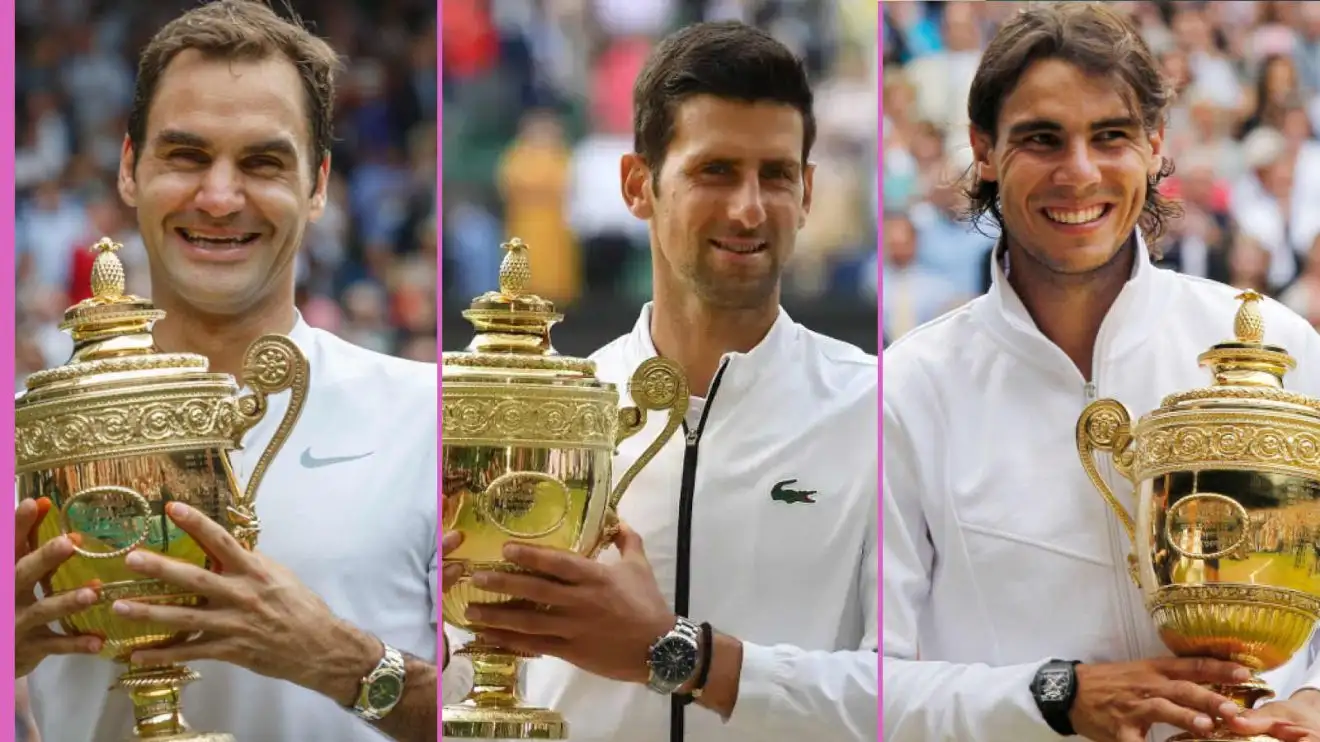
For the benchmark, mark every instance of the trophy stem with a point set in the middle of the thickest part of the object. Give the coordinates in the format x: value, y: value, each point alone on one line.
x: 157, y: 696
x: 1246, y: 696
x: 493, y: 708
x: 494, y: 677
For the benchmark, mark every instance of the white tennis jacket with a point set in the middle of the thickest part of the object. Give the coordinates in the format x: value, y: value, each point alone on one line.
x: 795, y: 581
x: 999, y: 553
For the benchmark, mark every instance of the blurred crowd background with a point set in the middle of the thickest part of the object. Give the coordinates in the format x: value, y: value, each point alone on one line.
x: 1242, y: 134
x: 538, y: 110
x: 367, y: 270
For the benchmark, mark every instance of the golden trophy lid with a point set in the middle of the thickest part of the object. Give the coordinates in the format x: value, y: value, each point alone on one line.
x: 113, y: 349
x: 1248, y: 374
x: 512, y: 340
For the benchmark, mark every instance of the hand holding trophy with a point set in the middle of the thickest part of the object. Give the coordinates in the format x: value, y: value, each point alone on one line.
x: 105, y: 442
x: 528, y: 440
x: 1227, y: 528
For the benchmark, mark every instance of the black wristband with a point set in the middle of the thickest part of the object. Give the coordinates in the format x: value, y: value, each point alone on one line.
x: 1054, y: 689
x: 703, y: 669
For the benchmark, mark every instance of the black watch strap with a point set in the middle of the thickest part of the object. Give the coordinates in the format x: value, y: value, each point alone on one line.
x: 1055, y: 689
x: 703, y: 669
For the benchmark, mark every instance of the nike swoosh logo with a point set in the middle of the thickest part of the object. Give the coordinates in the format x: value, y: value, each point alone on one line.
x: 311, y: 462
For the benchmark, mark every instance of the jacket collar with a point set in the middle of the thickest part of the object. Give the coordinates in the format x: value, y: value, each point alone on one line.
x: 741, y: 370
x: 1124, y: 326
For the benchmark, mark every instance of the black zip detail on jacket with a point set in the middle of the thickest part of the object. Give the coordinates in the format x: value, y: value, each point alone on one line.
x: 683, y: 570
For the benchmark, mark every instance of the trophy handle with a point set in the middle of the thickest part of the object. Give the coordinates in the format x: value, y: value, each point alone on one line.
x: 1105, y: 426
x: 273, y: 363
x: 657, y: 384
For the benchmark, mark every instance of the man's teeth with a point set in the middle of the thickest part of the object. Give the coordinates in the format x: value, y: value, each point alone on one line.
x: 211, y: 240
x: 740, y: 248
x: 1083, y: 216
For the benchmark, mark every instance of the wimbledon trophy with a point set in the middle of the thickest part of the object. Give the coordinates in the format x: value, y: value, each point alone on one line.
x: 108, y: 439
x: 528, y: 441
x: 1227, y: 531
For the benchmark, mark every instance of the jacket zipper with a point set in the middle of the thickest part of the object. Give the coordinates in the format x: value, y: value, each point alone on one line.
x: 683, y: 569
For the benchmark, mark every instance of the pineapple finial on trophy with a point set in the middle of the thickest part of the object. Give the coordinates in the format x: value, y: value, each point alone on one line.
x: 108, y: 282
x: 515, y: 269
x: 1249, y: 325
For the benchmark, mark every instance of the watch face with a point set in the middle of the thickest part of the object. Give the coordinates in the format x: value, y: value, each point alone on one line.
x: 673, y: 660
x: 1054, y: 685
x: 384, y: 692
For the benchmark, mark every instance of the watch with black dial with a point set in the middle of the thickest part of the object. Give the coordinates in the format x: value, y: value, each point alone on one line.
x: 674, y: 658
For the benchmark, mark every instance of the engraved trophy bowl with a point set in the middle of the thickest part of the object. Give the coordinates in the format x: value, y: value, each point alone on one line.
x: 1227, y: 494
x: 106, y: 441
x: 528, y: 442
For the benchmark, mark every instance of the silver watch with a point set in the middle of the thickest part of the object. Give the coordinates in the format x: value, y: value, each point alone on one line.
x: 382, y: 688
x: 674, y: 657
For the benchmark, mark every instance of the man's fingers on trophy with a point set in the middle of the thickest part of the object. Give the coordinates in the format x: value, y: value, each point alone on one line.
x: 562, y: 565
x: 179, y: 574
x: 526, y: 619
x: 532, y: 588
x: 214, y: 539
x: 1202, y: 670
x: 529, y: 643
x: 54, y: 644
x: 40, y: 563
x: 451, y: 540
x: 49, y: 610
x: 1162, y: 710
x: 25, y: 521
x: 223, y: 649
x: 629, y: 543
x: 1189, y: 695
x: 452, y: 572
x: 184, y: 619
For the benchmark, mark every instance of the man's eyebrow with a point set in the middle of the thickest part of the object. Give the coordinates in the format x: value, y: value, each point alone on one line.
x: 1033, y: 126
x: 178, y: 138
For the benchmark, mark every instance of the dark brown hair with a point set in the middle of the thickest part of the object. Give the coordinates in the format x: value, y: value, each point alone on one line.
x: 247, y: 30
x: 725, y: 59
x: 1097, y: 40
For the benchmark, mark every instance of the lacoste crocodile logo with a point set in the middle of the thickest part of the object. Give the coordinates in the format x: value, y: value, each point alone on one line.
x: 782, y: 493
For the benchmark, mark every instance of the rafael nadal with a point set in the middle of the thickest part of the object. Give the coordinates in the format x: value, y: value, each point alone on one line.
x: 1009, y: 613
x: 751, y: 612
x: 328, y: 631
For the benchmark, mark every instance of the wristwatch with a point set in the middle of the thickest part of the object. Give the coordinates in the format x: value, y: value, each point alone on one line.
x: 382, y: 688
x: 1054, y: 689
x: 674, y: 658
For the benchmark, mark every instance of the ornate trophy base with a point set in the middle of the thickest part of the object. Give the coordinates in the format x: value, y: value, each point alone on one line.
x: 157, y: 713
x: 472, y: 722
x: 1246, y: 696
x: 493, y: 710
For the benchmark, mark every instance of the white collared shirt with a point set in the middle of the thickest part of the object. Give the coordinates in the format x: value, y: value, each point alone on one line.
x: 796, y: 582
x: 349, y: 505
x: 999, y: 553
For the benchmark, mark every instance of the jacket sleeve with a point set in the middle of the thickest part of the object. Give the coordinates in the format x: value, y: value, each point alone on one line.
x: 787, y: 692
x: 929, y: 701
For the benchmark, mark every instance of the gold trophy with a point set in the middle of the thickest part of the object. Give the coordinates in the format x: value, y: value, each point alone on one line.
x: 528, y: 441
x: 1227, y: 531
x: 113, y: 436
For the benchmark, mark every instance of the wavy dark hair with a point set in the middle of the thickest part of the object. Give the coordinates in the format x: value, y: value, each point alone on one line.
x: 1099, y: 41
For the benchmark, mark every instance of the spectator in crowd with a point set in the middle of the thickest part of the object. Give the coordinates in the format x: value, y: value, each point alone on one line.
x: 1242, y: 134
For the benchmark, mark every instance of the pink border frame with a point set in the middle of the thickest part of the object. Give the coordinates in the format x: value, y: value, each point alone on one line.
x: 8, y: 297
